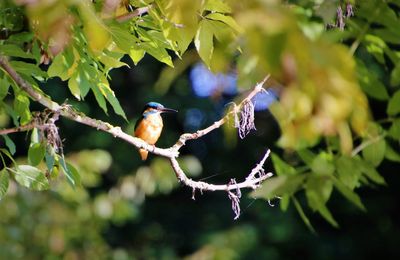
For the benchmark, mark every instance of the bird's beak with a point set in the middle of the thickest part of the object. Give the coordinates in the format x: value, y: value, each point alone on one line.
x: 168, y: 110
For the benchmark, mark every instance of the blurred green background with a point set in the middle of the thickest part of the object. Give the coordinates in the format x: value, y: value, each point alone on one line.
x: 129, y: 209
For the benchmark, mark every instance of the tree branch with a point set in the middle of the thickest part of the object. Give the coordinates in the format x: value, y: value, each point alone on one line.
x: 252, y: 181
x: 21, y: 128
x: 134, y: 13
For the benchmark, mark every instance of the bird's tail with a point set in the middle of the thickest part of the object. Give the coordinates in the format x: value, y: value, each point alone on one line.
x: 143, y: 154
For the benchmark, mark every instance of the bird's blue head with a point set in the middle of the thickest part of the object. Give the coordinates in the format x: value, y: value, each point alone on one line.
x: 154, y: 107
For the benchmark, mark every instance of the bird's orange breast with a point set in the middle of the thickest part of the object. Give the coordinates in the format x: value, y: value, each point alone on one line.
x: 149, y: 129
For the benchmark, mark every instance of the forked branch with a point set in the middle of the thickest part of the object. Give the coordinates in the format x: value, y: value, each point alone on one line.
x: 253, y: 180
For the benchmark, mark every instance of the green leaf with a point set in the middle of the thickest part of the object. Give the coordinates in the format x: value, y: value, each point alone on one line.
x: 370, y: 83
x: 278, y: 186
x: 322, y: 164
x: 4, y: 87
x: 110, y: 96
x: 319, y: 186
x: 7, y: 153
x: 375, y: 153
x: 35, y: 137
x: 4, y: 182
x: 391, y: 154
x: 318, y: 190
x: 136, y: 55
x: 324, y: 211
x: 74, y: 86
x: 31, y: 177
x: 70, y: 172
x: 99, y: 98
x: 10, y: 144
x: 285, y: 200
x: 64, y: 64
x: 122, y: 37
x: 302, y: 214
x: 28, y: 69
x: 348, y: 171
x: 50, y: 158
x: 36, y: 153
x: 14, y: 51
x: 394, y: 104
x: 307, y: 156
x: 281, y: 167
x: 225, y: 19
x: 157, y: 52
x: 368, y: 170
x: 216, y: 6
x: 348, y: 194
x: 86, y: 78
x: 394, y: 130
x: 204, y: 41
x: 111, y: 62
x: 395, y: 75
x: 21, y: 107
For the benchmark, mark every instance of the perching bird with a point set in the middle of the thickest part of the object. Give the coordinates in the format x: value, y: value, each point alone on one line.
x: 149, y: 126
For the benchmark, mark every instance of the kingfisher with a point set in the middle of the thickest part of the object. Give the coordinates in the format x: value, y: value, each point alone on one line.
x: 149, y: 126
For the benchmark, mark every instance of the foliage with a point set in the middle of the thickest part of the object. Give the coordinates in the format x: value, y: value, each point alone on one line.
x: 331, y: 69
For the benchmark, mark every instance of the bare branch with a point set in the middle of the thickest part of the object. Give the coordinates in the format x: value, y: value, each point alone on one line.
x: 253, y: 180
x: 21, y: 128
x: 191, y: 136
x: 204, y: 186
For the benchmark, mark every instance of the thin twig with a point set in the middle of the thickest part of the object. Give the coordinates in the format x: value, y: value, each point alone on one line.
x: 191, y: 136
x: 134, y: 13
x: 200, y: 185
x: 364, y: 145
x: 17, y: 129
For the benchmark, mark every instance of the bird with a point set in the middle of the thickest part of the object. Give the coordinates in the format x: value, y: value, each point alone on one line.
x: 149, y: 126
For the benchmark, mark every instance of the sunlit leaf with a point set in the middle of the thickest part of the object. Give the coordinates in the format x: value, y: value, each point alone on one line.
x: 136, y: 55
x: 111, y: 62
x: 96, y: 31
x: 225, y: 19
x: 30, y: 177
x: 204, y: 41
x: 216, y: 6
x: 74, y: 87
x: 157, y: 52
